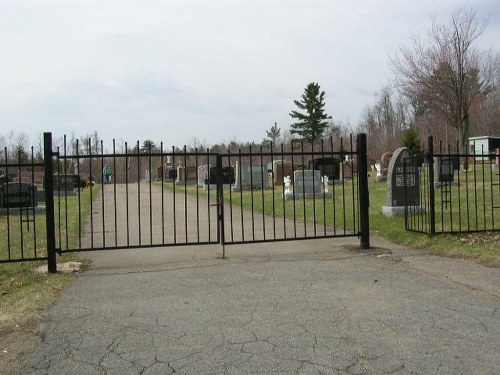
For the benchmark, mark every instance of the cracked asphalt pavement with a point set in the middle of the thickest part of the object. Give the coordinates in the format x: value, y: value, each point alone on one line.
x: 305, y: 307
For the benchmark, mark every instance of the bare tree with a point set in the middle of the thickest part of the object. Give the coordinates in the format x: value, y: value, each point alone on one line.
x: 445, y: 73
x: 384, y: 123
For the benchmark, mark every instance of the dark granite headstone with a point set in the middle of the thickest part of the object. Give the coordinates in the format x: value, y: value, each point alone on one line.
x: 444, y: 169
x: 228, y: 177
x: 18, y: 194
x: 66, y: 182
x: 281, y: 170
x: 403, y: 186
x: 327, y: 167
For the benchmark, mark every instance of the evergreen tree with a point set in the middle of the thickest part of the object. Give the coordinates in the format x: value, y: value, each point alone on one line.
x: 411, y: 140
x: 311, y: 124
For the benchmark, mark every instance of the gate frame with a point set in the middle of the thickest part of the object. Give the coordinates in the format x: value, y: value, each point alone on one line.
x: 362, y: 200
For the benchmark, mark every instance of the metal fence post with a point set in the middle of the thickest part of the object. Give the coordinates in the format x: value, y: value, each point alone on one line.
x: 220, y: 205
x: 364, y: 195
x: 49, y: 203
x: 432, y: 208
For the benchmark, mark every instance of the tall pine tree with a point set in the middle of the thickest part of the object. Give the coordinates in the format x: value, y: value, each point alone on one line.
x: 311, y: 124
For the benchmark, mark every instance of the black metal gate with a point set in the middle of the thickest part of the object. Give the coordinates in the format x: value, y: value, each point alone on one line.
x: 454, y: 199
x: 146, y: 196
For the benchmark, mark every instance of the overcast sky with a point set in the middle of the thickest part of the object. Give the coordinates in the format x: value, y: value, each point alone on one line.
x: 217, y: 70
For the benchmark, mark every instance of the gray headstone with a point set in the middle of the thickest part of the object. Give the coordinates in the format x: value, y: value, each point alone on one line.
x: 308, y: 184
x: 250, y: 176
x: 203, y: 174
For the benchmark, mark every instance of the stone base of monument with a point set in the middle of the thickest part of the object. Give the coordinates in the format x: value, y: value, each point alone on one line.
x: 309, y: 196
x: 390, y: 211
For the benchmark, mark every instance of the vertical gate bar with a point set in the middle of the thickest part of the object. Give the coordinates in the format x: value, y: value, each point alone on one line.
x: 102, y: 197
x: 33, y: 199
x: 324, y: 190
x: 241, y: 196
x: 162, y: 194
x: 91, y: 200
x: 293, y: 194
x: 283, y: 191
x: 405, y: 193
x: 185, y: 197
x: 251, y: 193
x: 8, y: 209
x: 364, y: 194
x: 65, y: 192
x: 475, y: 187
x: 303, y: 189
x: 197, y: 195
x: 139, y: 193
x: 484, y: 191
x: 230, y: 197
x: 432, y: 210
x: 262, y: 193
x: 150, y: 174
x: 173, y: 196
x: 355, y: 193
x: 272, y: 189
x: 459, y: 192
x: 333, y: 191
x: 20, y: 204
x: 114, y: 193
x: 59, y: 235
x: 79, y: 198
x: 467, y: 189
x: 491, y: 195
x: 344, y: 209
x: 208, y: 200
x: 127, y: 161
x: 49, y: 203
x: 314, y: 194
x: 220, y: 206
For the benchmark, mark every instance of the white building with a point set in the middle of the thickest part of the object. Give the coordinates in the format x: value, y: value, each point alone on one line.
x: 485, y: 145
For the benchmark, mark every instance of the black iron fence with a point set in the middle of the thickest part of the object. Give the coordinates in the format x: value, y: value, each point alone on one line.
x: 22, y: 221
x: 82, y: 198
x: 458, y: 192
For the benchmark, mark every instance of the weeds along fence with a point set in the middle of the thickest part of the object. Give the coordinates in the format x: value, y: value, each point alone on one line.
x: 459, y: 193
